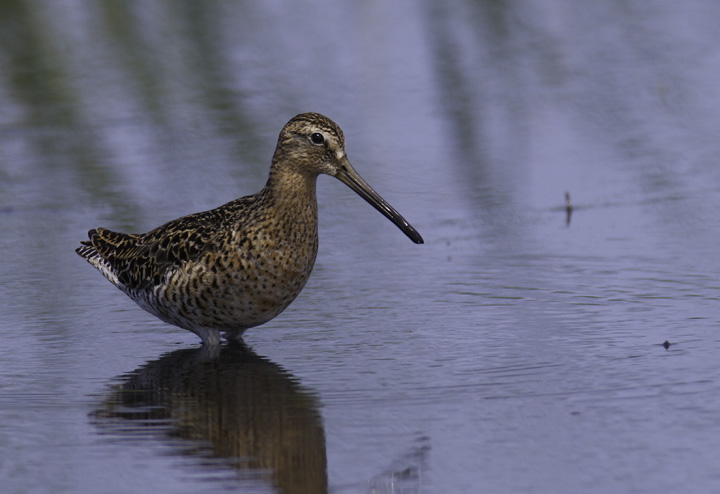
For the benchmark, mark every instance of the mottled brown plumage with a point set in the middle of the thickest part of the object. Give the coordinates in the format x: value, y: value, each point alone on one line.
x: 239, y: 265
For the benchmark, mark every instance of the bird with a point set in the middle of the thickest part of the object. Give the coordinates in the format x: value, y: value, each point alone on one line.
x: 241, y: 264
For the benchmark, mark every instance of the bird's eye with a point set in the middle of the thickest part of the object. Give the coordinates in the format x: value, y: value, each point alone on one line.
x: 317, y: 138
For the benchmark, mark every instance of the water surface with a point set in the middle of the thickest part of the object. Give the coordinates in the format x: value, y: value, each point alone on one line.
x: 519, y: 350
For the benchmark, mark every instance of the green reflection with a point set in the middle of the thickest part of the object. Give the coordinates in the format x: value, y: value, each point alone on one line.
x: 100, y: 86
x: 37, y: 72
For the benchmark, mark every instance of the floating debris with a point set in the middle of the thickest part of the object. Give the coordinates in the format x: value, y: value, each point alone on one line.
x: 568, y: 208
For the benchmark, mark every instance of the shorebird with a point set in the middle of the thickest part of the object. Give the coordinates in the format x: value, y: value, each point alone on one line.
x: 241, y: 264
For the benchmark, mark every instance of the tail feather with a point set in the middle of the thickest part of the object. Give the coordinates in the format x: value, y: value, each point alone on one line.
x: 102, y: 245
x: 87, y: 250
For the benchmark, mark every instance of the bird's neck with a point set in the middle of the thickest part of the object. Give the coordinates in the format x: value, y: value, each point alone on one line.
x: 291, y: 189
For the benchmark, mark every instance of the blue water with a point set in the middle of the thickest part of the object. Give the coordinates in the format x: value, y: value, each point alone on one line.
x: 519, y: 350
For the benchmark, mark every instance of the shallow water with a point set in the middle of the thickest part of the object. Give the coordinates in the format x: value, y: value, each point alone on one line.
x: 519, y: 350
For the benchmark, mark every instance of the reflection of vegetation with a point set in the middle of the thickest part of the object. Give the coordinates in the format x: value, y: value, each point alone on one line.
x: 31, y: 66
x: 35, y: 69
x: 119, y: 84
x: 253, y: 413
x: 482, y: 93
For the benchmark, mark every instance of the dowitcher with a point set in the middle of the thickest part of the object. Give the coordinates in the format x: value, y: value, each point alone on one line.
x: 241, y: 264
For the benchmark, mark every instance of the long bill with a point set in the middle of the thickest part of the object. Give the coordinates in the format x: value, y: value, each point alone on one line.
x: 347, y: 175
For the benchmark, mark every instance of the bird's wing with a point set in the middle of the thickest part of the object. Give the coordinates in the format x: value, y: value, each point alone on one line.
x: 137, y: 261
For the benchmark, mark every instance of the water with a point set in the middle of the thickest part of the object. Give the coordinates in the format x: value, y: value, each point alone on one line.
x: 519, y: 350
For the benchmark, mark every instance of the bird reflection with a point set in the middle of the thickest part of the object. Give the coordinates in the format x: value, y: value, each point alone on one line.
x: 255, y: 416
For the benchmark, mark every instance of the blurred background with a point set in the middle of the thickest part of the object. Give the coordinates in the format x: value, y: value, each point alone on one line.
x: 558, y: 331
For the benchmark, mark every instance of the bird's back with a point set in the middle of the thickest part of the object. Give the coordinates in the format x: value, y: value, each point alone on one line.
x: 135, y: 262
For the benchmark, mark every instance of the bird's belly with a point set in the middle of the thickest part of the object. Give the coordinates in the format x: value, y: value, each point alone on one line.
x: 227, y: 298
